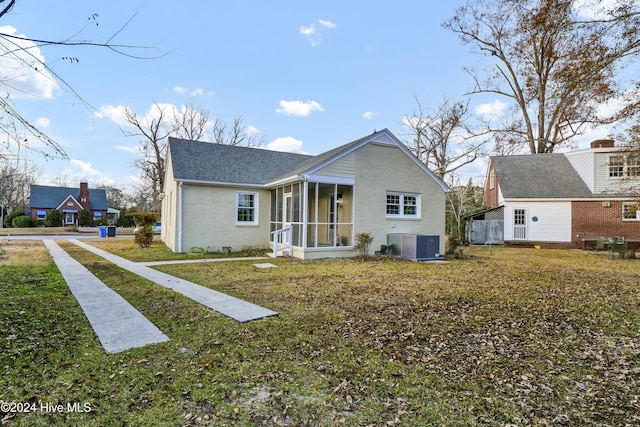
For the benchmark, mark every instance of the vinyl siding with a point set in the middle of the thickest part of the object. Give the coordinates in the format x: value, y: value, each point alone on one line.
x: 553, y: 225
x: 582, y: 162
x: 343, y: 167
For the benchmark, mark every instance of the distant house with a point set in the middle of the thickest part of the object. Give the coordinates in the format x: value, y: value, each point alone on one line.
x: 561, y: 200
x: 219, y: 196
x: 69, y: 201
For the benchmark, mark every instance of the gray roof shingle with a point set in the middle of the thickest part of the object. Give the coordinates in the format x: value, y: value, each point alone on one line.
x: 540, y: 176
x: 44, y: 196
x: 210, y: 162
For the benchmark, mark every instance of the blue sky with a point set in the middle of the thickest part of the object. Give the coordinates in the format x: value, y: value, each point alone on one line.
x: 306, y: 76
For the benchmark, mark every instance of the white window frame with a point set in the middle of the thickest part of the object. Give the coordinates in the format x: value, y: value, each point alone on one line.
x: 254, y: 221
x: 41, y: 217
x: 632, y: 164
x: 625, y: 206
x: 615, y: 166
x: 402, y: 205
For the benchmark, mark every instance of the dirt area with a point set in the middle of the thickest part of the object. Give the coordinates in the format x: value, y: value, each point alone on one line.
x: 23, y: 252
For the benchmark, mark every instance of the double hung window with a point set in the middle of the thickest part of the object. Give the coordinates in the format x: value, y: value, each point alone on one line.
x: 246, y: 208
x: 402, y: 205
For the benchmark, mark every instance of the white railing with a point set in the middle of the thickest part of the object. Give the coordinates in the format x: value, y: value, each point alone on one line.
x: 282, y: 240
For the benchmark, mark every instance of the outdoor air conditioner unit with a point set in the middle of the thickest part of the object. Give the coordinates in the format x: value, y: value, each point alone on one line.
x: 420, y: 247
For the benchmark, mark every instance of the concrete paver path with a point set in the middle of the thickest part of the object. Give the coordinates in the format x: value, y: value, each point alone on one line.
x: 235, y: 308
x: 118, y: 325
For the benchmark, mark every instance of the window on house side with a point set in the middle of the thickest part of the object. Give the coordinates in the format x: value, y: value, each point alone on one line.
x: 616, y: 166
x: 492, y: 179
x: 246, y: 208
x: 631, y: 211
x: 400, y: 205
x: 633, y: 166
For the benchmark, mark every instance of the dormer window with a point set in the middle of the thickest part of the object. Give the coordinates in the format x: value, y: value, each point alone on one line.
x: 621, y: 166
x: 616, y: 166
x: 633, y: 166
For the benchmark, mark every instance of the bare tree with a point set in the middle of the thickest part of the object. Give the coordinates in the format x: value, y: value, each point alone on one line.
x: 16, y: 177
x: 234, y: 133
x: 441, y: 137
x: 21, y: 51
x: 115, y: 196
x: 162, y: 121
x: 555, y: 63
x: 192, y: 123
x: 153, y: 131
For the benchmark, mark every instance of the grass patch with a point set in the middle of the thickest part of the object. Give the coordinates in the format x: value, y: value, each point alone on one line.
x: 506, y: 336
x: 158, y: 251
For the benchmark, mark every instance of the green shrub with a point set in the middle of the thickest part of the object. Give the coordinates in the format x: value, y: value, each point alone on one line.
x: 84, y: 218
x: 143, y: 236
x: 144, y: 221
x: 22, y: 221
x: 363, y: 244
x: 53, y: 219
x: 8, y: 220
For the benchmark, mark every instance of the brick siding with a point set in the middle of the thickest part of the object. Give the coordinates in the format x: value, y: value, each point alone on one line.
x: 593, y: 219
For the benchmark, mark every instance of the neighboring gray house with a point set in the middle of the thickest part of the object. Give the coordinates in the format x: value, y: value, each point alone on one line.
x: 219, y: 196
x: 69, y: 201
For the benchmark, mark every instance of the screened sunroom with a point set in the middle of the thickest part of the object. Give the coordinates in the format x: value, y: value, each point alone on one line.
x: 311, y: 216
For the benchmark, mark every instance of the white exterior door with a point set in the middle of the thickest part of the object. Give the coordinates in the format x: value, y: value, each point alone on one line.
x: 519, y: 224
x: 286, y: 215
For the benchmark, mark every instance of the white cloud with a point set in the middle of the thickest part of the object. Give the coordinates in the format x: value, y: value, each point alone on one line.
x: 22, y: 74
x: 369, y: 115
x: 308, y: 30
x: 179, y: 89
x: 197, y: 92
x: 251, y: 130
x: 491, y: 110
x: 287, y: 144
x: 134, y: 150
x: 314, y: 33
x: 113, y: 112
x: 327, y: 24
x: 83, y: 168
x: 298, y: 108
x: 593, y: 9
x: 43, y: 122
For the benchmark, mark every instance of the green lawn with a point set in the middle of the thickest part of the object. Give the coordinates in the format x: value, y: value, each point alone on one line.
x: 505, y: 336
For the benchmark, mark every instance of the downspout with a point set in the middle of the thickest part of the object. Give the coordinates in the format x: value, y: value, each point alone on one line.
x: 179, y: 219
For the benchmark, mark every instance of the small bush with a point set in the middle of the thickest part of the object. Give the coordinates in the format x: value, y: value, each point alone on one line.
x: 363, y: 244
x: 22, y: 221
x: 53, y: 219
x: 8, y: 220
x: 143, y: 236
x: 84, y: 218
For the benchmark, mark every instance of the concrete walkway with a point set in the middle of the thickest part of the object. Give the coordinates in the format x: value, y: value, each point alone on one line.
x: 192, y: 261
x: 227, y: 305
x: 118, y: 325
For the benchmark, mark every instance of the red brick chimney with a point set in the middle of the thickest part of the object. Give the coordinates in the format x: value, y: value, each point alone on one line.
x: 83, y: 198
x: 602, y: 143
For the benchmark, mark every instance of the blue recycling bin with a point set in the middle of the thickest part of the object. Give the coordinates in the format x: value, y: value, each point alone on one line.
x: 102, y: 231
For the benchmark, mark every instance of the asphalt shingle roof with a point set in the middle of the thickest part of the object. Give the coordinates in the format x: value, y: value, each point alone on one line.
x: 540, y: 176
x: 44, y: 196
x: 209, y: 162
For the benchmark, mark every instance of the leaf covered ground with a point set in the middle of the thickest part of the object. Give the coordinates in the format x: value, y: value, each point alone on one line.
x: 505, y: 336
